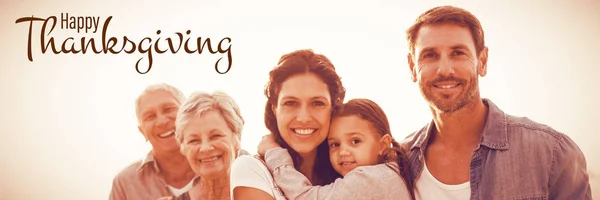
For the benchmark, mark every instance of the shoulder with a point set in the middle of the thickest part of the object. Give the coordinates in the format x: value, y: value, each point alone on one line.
x: 129, y: 172
x: 531, y: 131
x: 517, y: 125
x: 244, y: 152
x: 247, y: 162
x: 523, y: 131
x: 247, y: 165
x: 414, y: 136
x: 248, y: 171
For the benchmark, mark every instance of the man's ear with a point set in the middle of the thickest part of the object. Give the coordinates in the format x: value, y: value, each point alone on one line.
x: 483, y: 58
x: 142, y: 132
x: 411, y: 67
x: 385, y: 142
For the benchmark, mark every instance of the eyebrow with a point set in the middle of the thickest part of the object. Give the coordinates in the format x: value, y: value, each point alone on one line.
x: 426, y: 49
x: 145, y: 114
x: 353, y: 133
x: 168, y: 104
x: 459, y: 46
x: 454, y: 47
x: 215, y: 131
x: 312, y: 98
x: 162, y: 106
x: 347, y: 134
x: 210, y: 132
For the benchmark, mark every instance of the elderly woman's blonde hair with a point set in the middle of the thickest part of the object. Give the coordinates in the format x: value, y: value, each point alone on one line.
x: 199, y: 103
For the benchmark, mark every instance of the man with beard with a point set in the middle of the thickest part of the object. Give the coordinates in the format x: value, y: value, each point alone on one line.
x: 472, y: 149
x: 164, y: 171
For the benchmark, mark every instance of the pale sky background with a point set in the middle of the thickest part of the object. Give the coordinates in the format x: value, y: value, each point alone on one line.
x: 68, y: 121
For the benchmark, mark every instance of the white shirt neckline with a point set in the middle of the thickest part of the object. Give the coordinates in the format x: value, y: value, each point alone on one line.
x: 179, y: 191
x: 444, y: 186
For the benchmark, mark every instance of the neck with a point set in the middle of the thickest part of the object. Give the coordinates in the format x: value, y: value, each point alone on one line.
x: 174, y: 168
x: 211, y: 188
x: 308, y: 164
x: 461, y: 128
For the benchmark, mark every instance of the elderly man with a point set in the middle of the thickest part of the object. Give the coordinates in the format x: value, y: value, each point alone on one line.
x: 164, y: 171
x: 472, y: 149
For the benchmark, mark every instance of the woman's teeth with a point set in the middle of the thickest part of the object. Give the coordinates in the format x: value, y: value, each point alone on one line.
x: 210, y: 159
x: 304, y: 131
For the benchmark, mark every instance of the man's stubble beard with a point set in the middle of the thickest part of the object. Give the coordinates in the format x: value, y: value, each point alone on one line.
x: 442, y: 103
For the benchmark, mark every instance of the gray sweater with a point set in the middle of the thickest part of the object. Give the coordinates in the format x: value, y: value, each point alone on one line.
x: 365, y: 182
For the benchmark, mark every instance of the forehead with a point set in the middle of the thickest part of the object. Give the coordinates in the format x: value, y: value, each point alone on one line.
x: 156, y: 99
x: 307, y: 85
x: 344, y: 126
x: 444, y: 35
x: 207, y: 123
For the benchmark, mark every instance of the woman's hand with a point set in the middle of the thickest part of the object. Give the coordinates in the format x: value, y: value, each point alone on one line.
x: 267, y: 142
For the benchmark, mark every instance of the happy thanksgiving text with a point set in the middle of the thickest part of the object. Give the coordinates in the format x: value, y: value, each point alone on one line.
x: 116, y: 45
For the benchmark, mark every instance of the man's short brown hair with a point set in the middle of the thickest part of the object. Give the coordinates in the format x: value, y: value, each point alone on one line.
x: 447, y: 14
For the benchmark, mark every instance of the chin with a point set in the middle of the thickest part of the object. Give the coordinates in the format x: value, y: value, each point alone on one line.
x: 304, y: 148
x: 307, y: 145
x: 210, y: 173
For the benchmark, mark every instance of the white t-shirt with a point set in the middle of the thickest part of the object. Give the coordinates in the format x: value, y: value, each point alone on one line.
x: 428, y: 187
x: 178, y: 191
x: 248, y: 171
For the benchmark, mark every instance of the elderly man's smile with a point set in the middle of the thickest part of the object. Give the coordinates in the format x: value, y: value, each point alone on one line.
x: 167, y: 134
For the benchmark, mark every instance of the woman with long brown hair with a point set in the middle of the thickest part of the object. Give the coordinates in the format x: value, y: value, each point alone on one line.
x: 302, y: 93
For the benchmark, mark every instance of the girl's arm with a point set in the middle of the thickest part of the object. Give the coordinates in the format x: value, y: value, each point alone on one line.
x: 374, y: 182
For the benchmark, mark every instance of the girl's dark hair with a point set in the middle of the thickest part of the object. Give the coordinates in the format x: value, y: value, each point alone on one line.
x: 302, y: 62
x: 371, y: 112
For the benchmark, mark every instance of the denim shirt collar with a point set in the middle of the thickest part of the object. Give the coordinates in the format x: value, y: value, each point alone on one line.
x: 495, y: 131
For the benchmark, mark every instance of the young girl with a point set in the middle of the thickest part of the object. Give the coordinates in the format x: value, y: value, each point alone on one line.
x: 361, y: 149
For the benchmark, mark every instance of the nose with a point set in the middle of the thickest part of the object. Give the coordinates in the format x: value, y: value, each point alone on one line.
x: 445, y: 67
x: 206, y: 146
x: 162, y: 120
x: 344, y: 151
x: 303, y: 115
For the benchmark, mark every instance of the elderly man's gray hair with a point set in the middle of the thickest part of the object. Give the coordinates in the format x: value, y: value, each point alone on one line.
x: 177, y: 94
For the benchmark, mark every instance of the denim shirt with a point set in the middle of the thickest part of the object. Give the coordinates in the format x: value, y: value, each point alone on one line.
x: 516, y: 158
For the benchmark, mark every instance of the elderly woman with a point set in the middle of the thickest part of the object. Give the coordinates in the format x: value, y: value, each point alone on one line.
x: 209, y: 128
